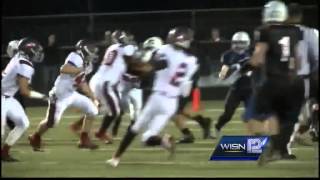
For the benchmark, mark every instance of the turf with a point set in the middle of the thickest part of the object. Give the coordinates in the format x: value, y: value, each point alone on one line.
x: 62, y: 158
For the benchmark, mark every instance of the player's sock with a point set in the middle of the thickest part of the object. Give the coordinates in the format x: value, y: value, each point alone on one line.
x: 107, y: 120
x: 186, y: 132
x: 84, y: 137
x: 5, y: 150
x: 285, y: 133
x: 116, y: 125
x: 14, y: 135
x: 78, y: 123
x: 153, y: 141
x: 223, y: 119
x: 126, y: 141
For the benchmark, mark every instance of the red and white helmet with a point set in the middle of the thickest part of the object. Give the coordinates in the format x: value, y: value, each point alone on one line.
x: 180, y: 36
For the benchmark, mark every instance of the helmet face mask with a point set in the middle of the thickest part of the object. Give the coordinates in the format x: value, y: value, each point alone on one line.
x: 181, y: 37
x: 152, y: 43
x: 240, y: 41
x: 119, y: 36
x: 32, y: 49
x: 274, y: 11
x: 87, y: 50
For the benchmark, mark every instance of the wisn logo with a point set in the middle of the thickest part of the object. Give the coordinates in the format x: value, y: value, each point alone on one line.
x: 240, y: 148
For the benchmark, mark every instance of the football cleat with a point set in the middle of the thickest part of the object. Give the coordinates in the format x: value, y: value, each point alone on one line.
x: 35, y: 142
x: 288, y: 157
x: 8, y: 158
x: 186, y: 139
x: 87, y: 145
x: 217, y: 133
x: 105, y: 137
x: 114, y: 162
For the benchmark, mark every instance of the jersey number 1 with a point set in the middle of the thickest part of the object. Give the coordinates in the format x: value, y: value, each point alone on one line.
x: 285, y: 48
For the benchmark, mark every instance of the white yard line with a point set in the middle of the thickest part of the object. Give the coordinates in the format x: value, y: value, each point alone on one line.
x: 49, y: 163
x: 201, y: 162
x: 79, y: 115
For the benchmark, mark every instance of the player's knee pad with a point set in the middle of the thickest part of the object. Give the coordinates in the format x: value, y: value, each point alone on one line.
x: 25, y: 124
x: 134, y: 128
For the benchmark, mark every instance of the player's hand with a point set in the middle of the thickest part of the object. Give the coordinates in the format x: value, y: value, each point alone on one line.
x: 96, y: 102
x: 223, y: 72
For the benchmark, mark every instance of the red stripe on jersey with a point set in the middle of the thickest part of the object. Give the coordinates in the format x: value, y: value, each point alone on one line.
x: 26, y: 62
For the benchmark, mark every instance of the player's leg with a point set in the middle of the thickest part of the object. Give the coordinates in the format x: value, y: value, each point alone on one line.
x: 124, y: 106
x: 145, y: 116
x: 232, y: 101
x: 87, y: 106
x: 151, y: 136
x: 54, y: 112
x: 20, y: 119
x: 112, y: 98
x: 180, y: 122
x: 4, y: 110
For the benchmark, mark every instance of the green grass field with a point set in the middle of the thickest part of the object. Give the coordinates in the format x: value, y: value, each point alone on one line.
x: 62, y: 158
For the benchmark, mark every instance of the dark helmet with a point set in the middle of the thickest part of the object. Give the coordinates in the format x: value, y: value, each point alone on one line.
x: 120, y: 36
x: 180, y: 36
x: 87, y: 49
x: 32, y: 49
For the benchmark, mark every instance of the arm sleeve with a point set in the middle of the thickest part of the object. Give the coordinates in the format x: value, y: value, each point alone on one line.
x: 75, y: 60
x: 25, y: 70
x: 313, y: 48
x: 260, y: 35
x: 129, y: 50
x: 159, y: 60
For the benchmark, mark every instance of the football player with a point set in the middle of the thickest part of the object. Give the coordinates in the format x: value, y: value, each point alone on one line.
x: 241, y: 89
x: 17, y: 76
x: 174, y: 67
x: 275, y: 47
x: 106, y: 80
x: 63, y: 95
x: 131, y: 85
x: 308, y: 51
x: 12, y: 50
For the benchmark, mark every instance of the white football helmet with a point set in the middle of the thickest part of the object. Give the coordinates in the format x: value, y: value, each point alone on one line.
x: 274, y: 11
x: 12, y: 48
x: 240, y: 41
x: 152, y: 43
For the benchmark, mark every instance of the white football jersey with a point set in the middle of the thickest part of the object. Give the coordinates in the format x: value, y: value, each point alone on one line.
x: 181, y: 67
x: 113, y: 65
x: 308, y: 50
x: 18, y: 65
x: 67, y: 83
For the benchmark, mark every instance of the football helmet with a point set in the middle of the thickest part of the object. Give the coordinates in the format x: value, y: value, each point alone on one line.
x: 180, y: 36
x: 120, y: 36
x: 12, y: 48
x: 87, y: 49
x: 152, y: 43
x: 32, y: 49
x: 240, y: 41
x: 274, y: 11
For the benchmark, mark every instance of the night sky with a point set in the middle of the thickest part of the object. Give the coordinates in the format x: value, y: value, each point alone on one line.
x: 46, y: 7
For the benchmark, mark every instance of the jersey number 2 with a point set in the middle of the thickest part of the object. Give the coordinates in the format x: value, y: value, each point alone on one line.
x: 180, y: 73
